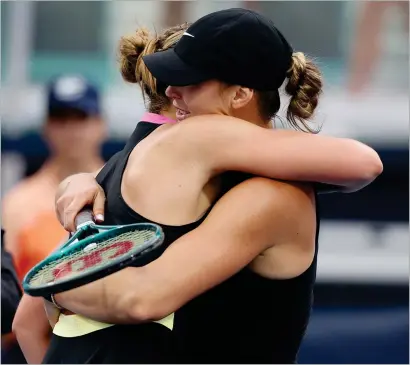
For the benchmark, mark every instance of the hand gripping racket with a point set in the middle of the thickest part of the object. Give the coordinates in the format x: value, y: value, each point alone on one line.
x: 92, y: 253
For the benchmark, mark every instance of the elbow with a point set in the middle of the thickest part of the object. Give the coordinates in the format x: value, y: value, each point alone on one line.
x: 19, y: 327
x: 369, y: 167
x: 376, y: 168
x: 372, y: 166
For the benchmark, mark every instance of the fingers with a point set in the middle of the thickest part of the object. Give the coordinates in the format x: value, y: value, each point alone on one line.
x: 59, y: 206
x: 81, y: 191
x: 98, y: 206
x: 70, y: 212
x: 68, y: 206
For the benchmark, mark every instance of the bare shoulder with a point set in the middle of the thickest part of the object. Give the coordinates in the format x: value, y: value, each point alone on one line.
x: 279, y: 193
x: 292, y: 229
x: 286, y: 209
x: 216, y: 138
x: 268, y: 204
x: 290, y: 200
x: 215, y: 126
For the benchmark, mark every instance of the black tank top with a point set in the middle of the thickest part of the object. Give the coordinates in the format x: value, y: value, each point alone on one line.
x: 247, y: 318
x: 122, y: 344
x: 156, y: 340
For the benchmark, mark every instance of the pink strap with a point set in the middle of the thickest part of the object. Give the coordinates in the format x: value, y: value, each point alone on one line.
x: 156, y: 118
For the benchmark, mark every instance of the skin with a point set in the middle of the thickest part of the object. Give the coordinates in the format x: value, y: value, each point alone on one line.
x: 32, y: 326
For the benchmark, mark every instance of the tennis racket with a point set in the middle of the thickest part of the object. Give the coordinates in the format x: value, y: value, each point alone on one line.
x: 92, y: 253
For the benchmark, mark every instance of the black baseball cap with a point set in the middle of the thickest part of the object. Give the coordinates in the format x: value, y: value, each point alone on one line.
x: 237, y: 46
x: 72, y: 92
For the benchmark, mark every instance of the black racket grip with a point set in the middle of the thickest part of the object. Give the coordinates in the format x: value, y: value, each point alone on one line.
x: 84, y: 217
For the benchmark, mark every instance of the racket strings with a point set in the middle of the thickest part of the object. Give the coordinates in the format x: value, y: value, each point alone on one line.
x: 93, y: 256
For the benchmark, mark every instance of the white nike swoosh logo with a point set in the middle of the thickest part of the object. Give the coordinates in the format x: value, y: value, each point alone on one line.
x: 189, y: 35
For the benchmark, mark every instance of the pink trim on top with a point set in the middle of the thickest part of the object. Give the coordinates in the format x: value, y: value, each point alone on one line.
x: 156, y: 118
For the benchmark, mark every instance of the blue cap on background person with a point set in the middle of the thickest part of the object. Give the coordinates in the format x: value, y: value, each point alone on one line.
x: 72, y: 92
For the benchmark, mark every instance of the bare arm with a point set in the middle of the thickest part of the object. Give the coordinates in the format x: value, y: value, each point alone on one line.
x: 232, y: 144
x: 32, y: 329
x: 228, y: 240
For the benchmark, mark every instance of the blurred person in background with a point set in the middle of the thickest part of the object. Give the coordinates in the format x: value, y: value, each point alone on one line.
x: 74, y: 132
x: 10, y: 298
x: 176, y: 12
x: 367, y: 42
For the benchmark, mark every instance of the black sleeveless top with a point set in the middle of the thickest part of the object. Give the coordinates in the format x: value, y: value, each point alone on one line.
x: 246, y: 319
x: 159, y: 345
x: 123, y: 344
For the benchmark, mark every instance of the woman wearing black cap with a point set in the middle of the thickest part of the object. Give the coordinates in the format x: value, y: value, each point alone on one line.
x: 250, y: 266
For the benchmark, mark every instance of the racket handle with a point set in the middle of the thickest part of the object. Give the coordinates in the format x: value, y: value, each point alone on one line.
x: 83, y: 218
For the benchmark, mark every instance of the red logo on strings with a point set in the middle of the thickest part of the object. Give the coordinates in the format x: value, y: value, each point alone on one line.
x: 92, y: 259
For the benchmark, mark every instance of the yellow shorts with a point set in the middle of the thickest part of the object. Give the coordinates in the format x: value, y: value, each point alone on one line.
x: 76, y: 325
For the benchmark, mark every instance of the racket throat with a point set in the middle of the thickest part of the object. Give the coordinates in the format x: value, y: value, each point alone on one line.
x: 87, y: 232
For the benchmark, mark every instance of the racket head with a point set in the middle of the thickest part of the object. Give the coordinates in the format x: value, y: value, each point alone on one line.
x: 81, y: 261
